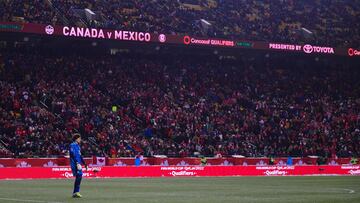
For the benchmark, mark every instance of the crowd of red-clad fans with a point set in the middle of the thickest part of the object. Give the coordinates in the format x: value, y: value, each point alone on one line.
x: 125, y: 105
x: 322, y: 22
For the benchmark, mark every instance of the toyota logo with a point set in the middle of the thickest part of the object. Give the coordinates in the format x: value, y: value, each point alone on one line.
x: 187, y: 40
x: 308, y: 48
x: 49, y: 30
x: 162, y: 38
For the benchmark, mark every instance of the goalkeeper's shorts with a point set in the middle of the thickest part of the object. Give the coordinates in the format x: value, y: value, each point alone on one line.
x: 76, y: 172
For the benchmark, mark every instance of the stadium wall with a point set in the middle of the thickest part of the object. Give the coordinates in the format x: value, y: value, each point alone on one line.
x: 187, y: 161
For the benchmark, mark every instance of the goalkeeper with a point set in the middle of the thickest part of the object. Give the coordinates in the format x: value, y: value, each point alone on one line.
x: 76, y: 161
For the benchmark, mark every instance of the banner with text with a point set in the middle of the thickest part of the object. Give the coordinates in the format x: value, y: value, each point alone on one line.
x: 177, y: 171
x: 162, y: 38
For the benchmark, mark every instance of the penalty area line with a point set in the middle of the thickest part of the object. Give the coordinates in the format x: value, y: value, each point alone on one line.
x: 26, y: 200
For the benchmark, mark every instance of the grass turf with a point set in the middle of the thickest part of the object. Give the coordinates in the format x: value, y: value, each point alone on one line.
x: 218, y: 189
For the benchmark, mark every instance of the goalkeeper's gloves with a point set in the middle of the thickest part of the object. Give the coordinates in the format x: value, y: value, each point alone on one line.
x: 78, y: 166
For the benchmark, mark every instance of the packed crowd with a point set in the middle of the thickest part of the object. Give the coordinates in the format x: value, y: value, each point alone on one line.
x: 124, y: 106
x: 325, y: 22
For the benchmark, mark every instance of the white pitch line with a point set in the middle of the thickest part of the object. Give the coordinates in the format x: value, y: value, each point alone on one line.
x: 25, y: 200
x: 350, y: 191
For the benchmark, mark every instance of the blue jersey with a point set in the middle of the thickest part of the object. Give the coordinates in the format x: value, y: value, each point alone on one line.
x: 75, y: 155
x: 75, y: 159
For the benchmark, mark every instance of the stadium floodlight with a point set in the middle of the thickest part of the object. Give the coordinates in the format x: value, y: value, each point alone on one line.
x: 205, y: 22
x: 205, y: 25
x: 306, y: 31
x: 89, y: 14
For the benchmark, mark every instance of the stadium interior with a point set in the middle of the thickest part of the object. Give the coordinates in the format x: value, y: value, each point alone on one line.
x: 181, y: 88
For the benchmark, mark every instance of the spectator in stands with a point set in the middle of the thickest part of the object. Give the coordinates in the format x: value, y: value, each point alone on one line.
x: 176, y: 107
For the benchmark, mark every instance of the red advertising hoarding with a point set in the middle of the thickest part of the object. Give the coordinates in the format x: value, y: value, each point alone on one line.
x: 177, y: 171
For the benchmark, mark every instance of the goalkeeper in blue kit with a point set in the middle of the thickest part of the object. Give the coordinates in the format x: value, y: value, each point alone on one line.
x: 76, y: 161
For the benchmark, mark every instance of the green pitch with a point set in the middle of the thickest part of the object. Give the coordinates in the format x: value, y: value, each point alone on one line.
x: 222, y: 189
